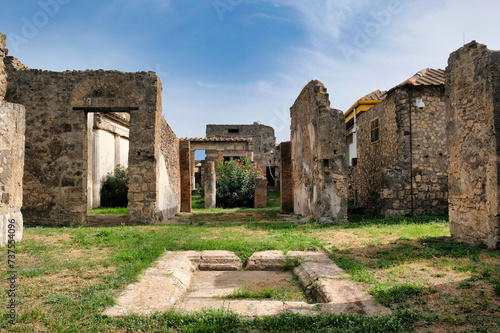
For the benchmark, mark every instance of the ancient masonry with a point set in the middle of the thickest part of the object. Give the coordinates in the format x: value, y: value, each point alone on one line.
x: 57, y: 153
x: 402, y: 151
x: 318, y: 156
x: 12, y: 130
x: 473, y: 114
x: 264, y: 146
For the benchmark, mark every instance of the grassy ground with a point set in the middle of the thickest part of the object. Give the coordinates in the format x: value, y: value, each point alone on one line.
x: 107, y: 211
x: 66, y: 277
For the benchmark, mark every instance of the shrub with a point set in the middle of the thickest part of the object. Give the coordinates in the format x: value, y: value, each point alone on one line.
x: 236, y: 182
x: 114, y: 188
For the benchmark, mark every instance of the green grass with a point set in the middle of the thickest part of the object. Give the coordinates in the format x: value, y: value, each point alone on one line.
x: 108, y: 211
x: 267, y: 293
x: 68, y: 276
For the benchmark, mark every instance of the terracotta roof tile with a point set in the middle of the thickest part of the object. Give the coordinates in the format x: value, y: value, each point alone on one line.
x: 374, y: 96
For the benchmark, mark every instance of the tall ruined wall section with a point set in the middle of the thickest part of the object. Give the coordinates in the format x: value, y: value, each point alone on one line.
x: 429, y: 152
x: 318, y: 155
x: 373, y: 157
x: 473, y: 112
x: 3, y: 74
x: 169, y: 184
x: 12, y: 130
x: 56, y: 165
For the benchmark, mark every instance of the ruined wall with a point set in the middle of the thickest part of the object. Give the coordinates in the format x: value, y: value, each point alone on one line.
x: 318, y: 156
x: 56, y: 166
x: 169, y: 184
x: 263, y: 139
x: 3, y: 74
x: 286, y: 177
x: 12, y: 131
x: 473, y: 113
x: 412, y: 146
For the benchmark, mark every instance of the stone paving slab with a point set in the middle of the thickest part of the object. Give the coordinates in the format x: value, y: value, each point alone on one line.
x: 219, y: 261
x: 266, y: 261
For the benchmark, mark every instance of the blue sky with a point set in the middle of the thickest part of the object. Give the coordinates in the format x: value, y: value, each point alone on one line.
x: 240, y: 61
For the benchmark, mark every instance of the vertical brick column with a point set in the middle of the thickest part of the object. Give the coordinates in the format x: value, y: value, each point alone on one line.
x: 210, y: 185
x: 184, y: 160
x: 260, y: 200
x: 191, y: 170
x: 286, y: 177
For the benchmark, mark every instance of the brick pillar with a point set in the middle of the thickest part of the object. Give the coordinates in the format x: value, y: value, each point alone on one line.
x: 210, y: 185
x: 260, y: 200
x: 184, y: 160
x: 191, y: 169
x: 286, y: 177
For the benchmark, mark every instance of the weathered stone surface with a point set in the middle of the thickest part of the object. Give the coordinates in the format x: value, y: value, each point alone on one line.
x: 286, y: 173
x: 318, y: 156
x: 158, y: 289
x: 473, y: 113
x: 185, y: 175
x: 3, y: 75
x: 263, y: 140
x: 12, y: 138
x: 215, y: 260
x: 210, y: 185
x: 260, y: 199
x: 266, y: 261
x: 169, y: 197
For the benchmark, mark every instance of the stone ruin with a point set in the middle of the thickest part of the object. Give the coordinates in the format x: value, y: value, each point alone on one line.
x: 318, y: 156
x: 58, y: 105
x: 473, y: 115
x: 12, y: 131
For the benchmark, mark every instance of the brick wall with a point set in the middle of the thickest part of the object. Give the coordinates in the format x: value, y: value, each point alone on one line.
x: 286, y: 181
x: 318, y: 156
x: 184, y: 161
x: 473, y: 110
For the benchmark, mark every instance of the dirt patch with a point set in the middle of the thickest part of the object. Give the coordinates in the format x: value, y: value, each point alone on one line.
x: 281, y: 281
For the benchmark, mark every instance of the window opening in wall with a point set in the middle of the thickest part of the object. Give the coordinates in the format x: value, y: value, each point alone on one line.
x: 233, y: 130
x: 374, y: 130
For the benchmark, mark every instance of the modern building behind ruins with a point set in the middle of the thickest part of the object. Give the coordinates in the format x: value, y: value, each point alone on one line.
x: 401, y: 149
x: 264, y: 142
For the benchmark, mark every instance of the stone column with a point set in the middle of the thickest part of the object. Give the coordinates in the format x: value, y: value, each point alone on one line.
x: 210, y: 185
x: 184, y: 160
x: 286, y: 177
x: 260, y: 200
x: 472, y: 83
x: 12, y: 129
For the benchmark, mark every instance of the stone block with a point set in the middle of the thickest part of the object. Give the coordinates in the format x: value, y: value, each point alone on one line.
x: 266, y: 261
x: 216, y: 260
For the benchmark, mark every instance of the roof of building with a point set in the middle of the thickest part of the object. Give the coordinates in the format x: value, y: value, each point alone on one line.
x: 425, y: 77
x: 374, y: 96
x: 217, y: 139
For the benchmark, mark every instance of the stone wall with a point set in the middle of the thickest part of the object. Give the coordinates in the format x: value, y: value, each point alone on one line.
x: 56, y: 165
x: 473, y: 114
x: 169, y: 174
x: 318, y: 156
x: 3, y: 75
x: 12, y: 132
x: 185, y: 175
x: 404, y: 172
x: 263, y: 139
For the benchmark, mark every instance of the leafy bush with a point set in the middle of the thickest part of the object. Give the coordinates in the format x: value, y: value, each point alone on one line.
x: 114, y: 189
x: 236, y: 182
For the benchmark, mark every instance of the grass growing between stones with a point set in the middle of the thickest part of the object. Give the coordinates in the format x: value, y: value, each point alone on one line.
x: 108, y: 211
x: 66, y: 277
